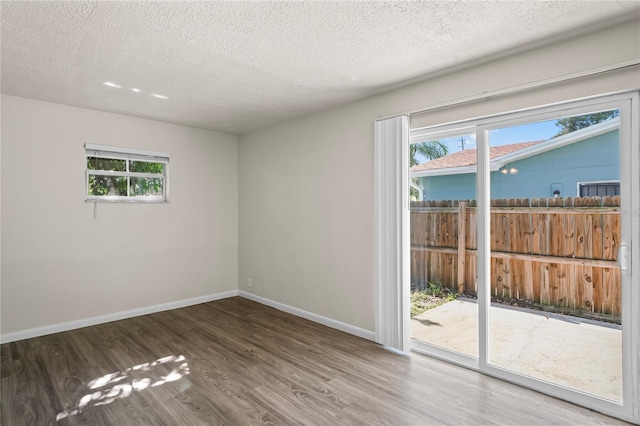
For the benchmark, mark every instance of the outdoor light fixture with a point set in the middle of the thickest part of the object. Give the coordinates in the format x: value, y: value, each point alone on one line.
x: 511, y: 171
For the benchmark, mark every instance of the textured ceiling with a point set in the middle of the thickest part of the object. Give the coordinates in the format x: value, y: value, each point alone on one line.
x: 238, y: 66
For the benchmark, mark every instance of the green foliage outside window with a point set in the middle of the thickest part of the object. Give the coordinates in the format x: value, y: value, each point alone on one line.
x: 111, y: 183
x: 97, y: 163
x: 145, y: 186
x: 571, y: 124
x: 429, y: 150
x: 107, y: 185
x: 146, y: 167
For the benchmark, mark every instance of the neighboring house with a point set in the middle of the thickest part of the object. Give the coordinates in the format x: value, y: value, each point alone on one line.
x: 582, y: 163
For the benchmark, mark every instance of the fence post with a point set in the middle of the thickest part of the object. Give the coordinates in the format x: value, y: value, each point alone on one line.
x: 462, y: 241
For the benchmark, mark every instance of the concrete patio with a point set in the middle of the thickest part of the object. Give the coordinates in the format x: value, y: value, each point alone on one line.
x: 580, y: 354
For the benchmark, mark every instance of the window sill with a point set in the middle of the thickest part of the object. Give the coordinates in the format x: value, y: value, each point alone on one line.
x: 134, y: 201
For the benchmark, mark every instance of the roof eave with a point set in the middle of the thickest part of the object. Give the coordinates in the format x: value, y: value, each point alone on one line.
x: 555, y: 143
x: 449, y: 171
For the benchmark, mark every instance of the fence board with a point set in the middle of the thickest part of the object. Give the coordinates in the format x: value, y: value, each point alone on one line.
x: 540, y: 240
x: 539, y: 290
x: 608, y: 293
x: 571, y: 294
x: 596, y: 276
x: 523, y: 231
x: 545, y: 284
x: 569, y: 235
x: 448, y: 233
x: 516, y: 270
x: 452, y: 268
x: 597, y: 250
x: 504, y: 276
x: 433, y: 231
x: 556, y: 231
x: 471, y: 283
x: 616, y: 292
x: 461, y: 242
x: 610, y: 236
x: 531, y: 287
x: 472, y: 233
x: 585, y: 289
x: 553, y: 284
x: 564, y: 285
x: 584, y: 243
x: 500, y: 232
x: 416, y: 266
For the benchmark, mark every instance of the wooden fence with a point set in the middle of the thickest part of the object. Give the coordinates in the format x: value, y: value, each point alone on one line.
x: 557, y: 252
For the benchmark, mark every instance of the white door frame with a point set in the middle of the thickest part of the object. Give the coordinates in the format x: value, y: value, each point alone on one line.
x: 628, y: 104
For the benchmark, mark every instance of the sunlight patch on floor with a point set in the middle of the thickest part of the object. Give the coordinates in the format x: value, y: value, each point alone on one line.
x: 121, y: 384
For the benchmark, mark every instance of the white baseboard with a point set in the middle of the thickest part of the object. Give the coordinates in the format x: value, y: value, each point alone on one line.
x: 86, y: 322
x: 347, y: 328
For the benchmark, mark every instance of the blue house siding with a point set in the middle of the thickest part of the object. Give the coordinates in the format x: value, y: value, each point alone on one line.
x: 451, y: 187
x: 593, y: 159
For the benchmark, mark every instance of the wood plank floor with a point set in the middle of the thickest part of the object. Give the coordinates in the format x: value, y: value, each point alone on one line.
x: 236, y: 362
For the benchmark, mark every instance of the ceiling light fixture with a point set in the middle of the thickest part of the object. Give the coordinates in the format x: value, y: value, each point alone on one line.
x: 136, y: 90
x: 155, y: 95
x: 110, y: 84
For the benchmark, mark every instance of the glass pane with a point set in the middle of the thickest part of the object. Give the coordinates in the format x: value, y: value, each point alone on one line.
x: 107, y: 185
x: 555, y: 284
x: 145, y: 186
x: 97, y: 163
x: 444, y: 312
x: 146, y: 167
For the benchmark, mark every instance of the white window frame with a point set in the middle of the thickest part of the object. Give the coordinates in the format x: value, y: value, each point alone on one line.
x: 130, y: 154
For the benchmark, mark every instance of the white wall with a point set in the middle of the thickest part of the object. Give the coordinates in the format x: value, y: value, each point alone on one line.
x: 59, y: 264
x: 306, y: 186
x: 303, y: 219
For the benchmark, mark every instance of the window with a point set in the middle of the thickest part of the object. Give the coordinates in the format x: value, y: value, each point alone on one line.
x: 122, y: 174
x: 599, y: 189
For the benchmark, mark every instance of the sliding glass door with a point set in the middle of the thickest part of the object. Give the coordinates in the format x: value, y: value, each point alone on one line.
x: 555, y: 233
x: 537, y: 209
x: 444, y: 311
